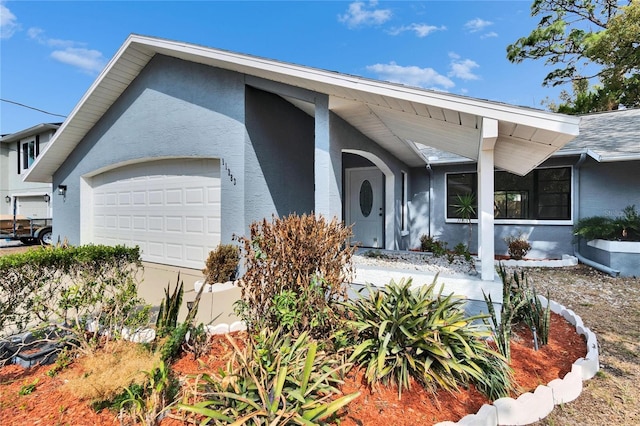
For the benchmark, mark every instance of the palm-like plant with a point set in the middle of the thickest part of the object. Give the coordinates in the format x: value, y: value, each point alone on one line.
x: 274, y: 381
x: 466, y: 209
x: 404, y: 333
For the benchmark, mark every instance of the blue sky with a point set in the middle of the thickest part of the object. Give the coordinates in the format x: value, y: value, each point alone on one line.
x: 52, y: 51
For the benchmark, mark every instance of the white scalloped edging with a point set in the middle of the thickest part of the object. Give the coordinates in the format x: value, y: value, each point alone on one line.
x: 567, y: 260
x: 531, y: 407
x: 225, y: 328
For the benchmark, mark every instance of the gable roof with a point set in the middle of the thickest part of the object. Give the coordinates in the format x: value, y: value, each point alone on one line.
x: 395, y: 116
x: 38, y: 128
x: 604, y: 136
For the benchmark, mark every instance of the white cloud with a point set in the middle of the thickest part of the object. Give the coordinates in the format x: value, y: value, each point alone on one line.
x: 37, y: 34
x: 476, y: 25
x: 361, y: 14
x: 490, y: 34
x: 462, y: 68
x: 70, y: 52
x: 421, y: 30
x: 412, y: 76
x: 87, y: 60
x: 8, y: 22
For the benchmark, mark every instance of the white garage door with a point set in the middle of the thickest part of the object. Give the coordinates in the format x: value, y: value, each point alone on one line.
x: 170, y: 208
x: 32, y: 206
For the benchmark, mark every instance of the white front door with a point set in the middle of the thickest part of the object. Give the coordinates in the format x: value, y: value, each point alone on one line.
x: 365, y: 206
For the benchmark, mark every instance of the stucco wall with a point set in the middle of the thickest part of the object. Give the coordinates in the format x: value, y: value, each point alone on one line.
x: 607, y: 188
x: 278, y: 157
x: 172, y: 109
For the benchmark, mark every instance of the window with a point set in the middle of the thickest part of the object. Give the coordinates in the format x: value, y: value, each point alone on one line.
x: 28, y: 151
x: 403, y: 213
x: 543, y: 194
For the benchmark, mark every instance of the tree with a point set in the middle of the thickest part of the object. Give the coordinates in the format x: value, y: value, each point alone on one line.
x: 592, y: 44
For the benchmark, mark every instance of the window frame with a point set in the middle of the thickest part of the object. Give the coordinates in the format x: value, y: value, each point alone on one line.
x: 514, y: 221
x: 23, y: 156
x: 404, y: 203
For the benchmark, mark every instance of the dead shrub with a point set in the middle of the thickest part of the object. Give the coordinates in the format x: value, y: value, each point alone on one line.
x: 306, y: 255
x: 517, y: 246
x: 222, y: 264
x: 111, y: 369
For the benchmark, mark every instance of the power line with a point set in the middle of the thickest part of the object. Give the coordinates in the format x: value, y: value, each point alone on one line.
x: 33, y: 108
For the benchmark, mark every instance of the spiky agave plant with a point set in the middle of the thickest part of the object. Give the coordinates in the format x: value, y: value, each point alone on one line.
x: 275, y: 380
x: 404, y: 332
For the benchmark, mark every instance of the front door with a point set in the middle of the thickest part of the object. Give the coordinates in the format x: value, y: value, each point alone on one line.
x: 365, y: 206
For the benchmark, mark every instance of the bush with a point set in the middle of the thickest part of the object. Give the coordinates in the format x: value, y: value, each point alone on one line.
x: 222, y: 264
x: 305, y: 255
x: 518, y: 246
x: 430, y: 244
x: 274, y: 380
x: 624, y: 227
x: 403, y: 333
x: 72, y: 288
x: 520, y: 303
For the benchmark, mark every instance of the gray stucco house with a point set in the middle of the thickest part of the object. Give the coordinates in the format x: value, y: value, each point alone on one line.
x: 177, y: 147
x: 596, y: 174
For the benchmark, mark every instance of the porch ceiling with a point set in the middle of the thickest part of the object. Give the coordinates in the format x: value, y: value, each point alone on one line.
x: 394, y: 116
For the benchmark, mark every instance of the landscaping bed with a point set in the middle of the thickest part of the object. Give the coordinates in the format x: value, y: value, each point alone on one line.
x: 51, y: 403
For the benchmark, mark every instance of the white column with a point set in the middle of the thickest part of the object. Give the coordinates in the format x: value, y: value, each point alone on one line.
x: 486, y: 244
x: 327, y: 185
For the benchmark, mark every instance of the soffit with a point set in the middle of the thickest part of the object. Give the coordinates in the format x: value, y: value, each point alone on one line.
x: 394, y: 116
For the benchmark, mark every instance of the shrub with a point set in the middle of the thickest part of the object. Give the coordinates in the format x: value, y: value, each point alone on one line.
x: 149, y: 401
x: 519, y: 303
x: 403, y: 333
x: 222, y: 264
x: 430, y: 244
x: 106, y: 372
x: 517, y: 246
x: 623, y: 227
x: 303, y: 254
x: 72, y: 288
x: 169, y: 307
x: 274, y: 380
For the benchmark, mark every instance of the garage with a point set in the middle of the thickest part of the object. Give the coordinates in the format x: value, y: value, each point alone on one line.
x: 32, y: 206
x: 169, y: 208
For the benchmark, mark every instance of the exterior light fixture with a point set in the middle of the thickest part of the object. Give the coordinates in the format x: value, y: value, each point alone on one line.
x: 47, y: 198
x: 7, y: 199
x: 62, y: 190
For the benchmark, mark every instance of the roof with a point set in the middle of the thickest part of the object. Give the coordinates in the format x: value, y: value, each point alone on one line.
x: 37, y: 129
x: 605, y: 136
x: 395, y: 116
x: 609, y: 136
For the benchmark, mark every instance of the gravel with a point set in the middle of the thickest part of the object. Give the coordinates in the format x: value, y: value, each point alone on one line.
x: 417, y: 261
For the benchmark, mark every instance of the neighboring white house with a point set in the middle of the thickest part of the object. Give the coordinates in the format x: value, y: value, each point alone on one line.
x: 18, y: 152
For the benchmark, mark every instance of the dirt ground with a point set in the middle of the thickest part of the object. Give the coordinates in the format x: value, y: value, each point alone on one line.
x: 610, y: 307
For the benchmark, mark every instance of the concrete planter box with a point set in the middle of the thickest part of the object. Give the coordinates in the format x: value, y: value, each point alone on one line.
x: 623, y: 256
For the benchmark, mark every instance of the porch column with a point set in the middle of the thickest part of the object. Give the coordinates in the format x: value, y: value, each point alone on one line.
x: 327, y: 181
x: 486, y: 244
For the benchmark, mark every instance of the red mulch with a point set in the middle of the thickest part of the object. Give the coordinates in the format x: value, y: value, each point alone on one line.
x: 48, y: 404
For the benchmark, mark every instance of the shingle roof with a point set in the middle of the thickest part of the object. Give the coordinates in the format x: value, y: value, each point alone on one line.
x: 611, y: 135
x: 606, y: 136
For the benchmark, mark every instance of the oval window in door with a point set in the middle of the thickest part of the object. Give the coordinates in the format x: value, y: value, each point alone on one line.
x: 366, y: 198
